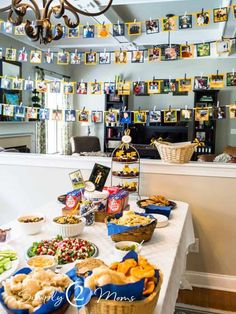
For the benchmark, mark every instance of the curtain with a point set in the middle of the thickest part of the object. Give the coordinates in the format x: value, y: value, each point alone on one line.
x: 66, y: 131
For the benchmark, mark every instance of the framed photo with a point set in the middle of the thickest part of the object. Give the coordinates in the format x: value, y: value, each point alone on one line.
x: 95, y: 88
x: 186, y: 115
x: 169, y: 24
x: 231, y: 79
x: 73, y: 32
x: 22, y: 55
x: 201, y: 114
x: 32, y: 113
x: 68, y: 88
x: 42, y: 86
x: 97, y: 116
x: 109, y: 88
x: 83, y: 116
x: 57, y: 115
x: 88, y: 31
x: 75, y: 57
x: 154, y: 54
x: 48, y: 57
x: 219, y: 113
x: 55, y: 87
x: 203, y: 50
x: 187, y: 51
x: 185, y: 85
x: 201, y: 136
x: 90, y: 58
x: 140, y: 117
x: 63, y: 57
x: 99, y: 176
x: 203, y: 18
x: 35, y: 56
x: 77, y: 180
x: 155, y: 116
x: 223, y: 47
x: 220, y: 15
x: 103, y: 30
x: 201, y: 82
x: 134, y: 28
x: 168, y: 86
x: 81, y: 88
x: 20, y: 30
x: 152, y: 26
x: 111, y: 116
x: 17, y: 84
x: 217, y: 81
x: 12, y: 98
x: 6, y: 83
x: 118, y: 29
x: 123, y: 88
x: 44, y: 114
x: 185, y: 21
x: 137, y: 56
x: 70, y: 115
x: 232, y: 111
x: 7, y: 27
x: 20, y: 112
x: 8, y: 110
x: 125, y: 117
x: 10, y: 54
x: 121, y: 57
x: 29, y: 85
x: 170, y: 116
x: 154, y: 87
x: 104, y: 57
x: 140, y: 88
x: 171, y: 53
x: 234, y: 11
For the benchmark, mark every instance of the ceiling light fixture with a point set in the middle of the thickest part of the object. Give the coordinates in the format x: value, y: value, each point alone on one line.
x: 41, y: 27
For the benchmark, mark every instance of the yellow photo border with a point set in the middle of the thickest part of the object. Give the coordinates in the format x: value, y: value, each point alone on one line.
x: 227, y: 14
x: 120, y: 88
x: 10, y: 59
x: 150, y: 92
x: 214, y: 85
x: 158, y: 60
x: 116, y: 112
x: 40, y: 54
x: 90, y: 88
x: 230, y: 114
x: 85, y: 58
x: 69, y: 36
x: 135, y: 118
x: 172, y: 110
x: 207, y: 116
x: 203, y: 25
x: 68, y: 57
x: 78, y: 113
x: 27, y: 112
x: 192, y: 50
x: 71, y: 93
x: 118, y: 51
x: 22, y: 86
x: 220, y: 41
x: 99, y: 28
x: 134, y: 23
x: 190, y: 85
x: 163, y: 24
x: 36, y: 86
x: 16, y: 29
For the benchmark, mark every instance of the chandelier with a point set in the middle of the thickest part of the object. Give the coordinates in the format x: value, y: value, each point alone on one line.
x: 41, y: 27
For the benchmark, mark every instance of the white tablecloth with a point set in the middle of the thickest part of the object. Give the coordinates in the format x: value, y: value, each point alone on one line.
x: 167, y: 248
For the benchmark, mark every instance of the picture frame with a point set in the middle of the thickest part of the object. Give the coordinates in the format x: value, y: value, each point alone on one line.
x: 185, y: 21
x: 203, y: 49
x: 134, y: 28
x: 232, y: 111
x: 35, y: 56
x: 19, y: 30
x: 223, y: 47
x: 111, y: 116
x: 203, y: 18
x: 217, y: 81
x: 11, y: 98
x: 231, y: 79
x: 83, y: 116
x: 57, y: 114
x: 28, y: 85
x: 154, y: 87
x: 121, y: 57
x: 8, y: 110
x: 140, y: 117
x: 219, y: 113
x: 155, y: 116
x: 70, y: 115
x: 104, y: 57
x: 74, y: 32
x: 169, y: 24
x: 17, y: 84
x: 184, y: 84
x: 20, y: 112
x: 109, y: 88
x: 48, y: 57
x: 63, y: 58
x: 187, y: 51
x: 201, y: 114
x: 97, y: 116
x: 10, y: 54
x: 75, y: 57
x: 103, y: 30
x: 234, y: 11
x: 69, y: 88
x: 44, y: 114
x: 32, y: 113
x: 171, y: 53
x: 201, y: 82
x: 152, y: 26
x: 77, y: 180
x: 81, y: 88
x: 41, y: 86
x: 154, y: 54
x: 118, y: 29
x: 125, y: 117
x: 201, y: 136
x: 88, y: 31
x: 170, y: 116
x: 140, y: 88
x: 137, y: 56
x: 220, y: 15
x: 95, y: 88
x: 55, y: 87
x: 186, y: 115
x: 123, y: 88
x: 99, y: 176
x: 22, y: 55
x: 7, y: 27
x: 168, y: 86
x: 90, y: 58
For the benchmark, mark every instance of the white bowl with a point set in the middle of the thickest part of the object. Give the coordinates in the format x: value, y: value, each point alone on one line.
x: 122, y: 244
x: 69, y: 230
x: 29, y: 228
x: 51, y: 258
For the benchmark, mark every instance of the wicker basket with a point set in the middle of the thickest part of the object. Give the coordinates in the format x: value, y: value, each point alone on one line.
x: 177, y: 153
x: 146, y: 306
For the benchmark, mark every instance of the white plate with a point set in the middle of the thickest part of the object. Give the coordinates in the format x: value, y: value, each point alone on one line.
x: 162, y: 221
x: 14, y: 267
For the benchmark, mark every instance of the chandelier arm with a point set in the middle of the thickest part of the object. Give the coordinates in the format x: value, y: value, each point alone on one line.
x: 57, y: 10
x: 21, y: 8
x: 31, y: 32
x: 5, y: 8
x: 67, y: 20
x: 88, y: 13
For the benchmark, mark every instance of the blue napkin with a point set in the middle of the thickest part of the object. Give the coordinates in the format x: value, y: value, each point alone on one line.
x: 162, y: 210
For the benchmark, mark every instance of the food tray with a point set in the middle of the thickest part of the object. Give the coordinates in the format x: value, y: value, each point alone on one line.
x: 172, y: 204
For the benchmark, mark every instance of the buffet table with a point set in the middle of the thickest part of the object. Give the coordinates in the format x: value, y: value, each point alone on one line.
x: 167, y: 249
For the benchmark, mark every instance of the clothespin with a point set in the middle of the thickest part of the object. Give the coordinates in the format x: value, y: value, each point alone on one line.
x: 87, y: 24
x: 186, y: 44
x: 185, y: 13
x: 186, y: 107
x: 153, y: 78
x: 233, y: 71
x: 217, y: 73
x: 125, y: 108
x: 76, y: 51
x: 201, y: 75
x: 95, y: 81
x: 154, y: 108
x: 21, y: 104
x: 83, y: 109
x: 138, y: 80
x: 23, y: 48
x: 105, y: 50
x: 218, y: 104
x: 82, y: 80
x: 29, y: 78
x: 135, y: 20
x: 139, y: 109
x: 169, y: 79
x: 185, y: 76
x: 202, y: 11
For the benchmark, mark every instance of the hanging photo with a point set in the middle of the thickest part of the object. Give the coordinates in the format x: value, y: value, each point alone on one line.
x: 99, y: 176
x: 201, y: 82
x: 63, y: 58
x: 90, y: 58
x: 83, y: 116
x: 140, y: 88
x: 42, y: 86
x: 44, y: 114
x: 57, y: 115
x: 7, y: 28
x: 103, y: 30
x: 203, y: 50
x: 123, y: 88
x: 170, y: 116
x: 104, y: 58
x: 231, y: 79
x: 95, y: 88
x: 22, y: 55
x: 68, y: 88
x: 171, y: 53
x: 186, y: 115
x: 55, y: 87
x: 19, y: 112
x: 81, y: 88
x: 234, y: 11
x: 121, y: 57
x: 217, y: 81
x: 169, y: 24
x: 6, y: 83
x: 220, y: 15
x: 12, y: 99
x: 152, y: 26
x: 111, y: 116
x: 70, y: 115
x: 75, y: 57
x: 73, y: 32
x: 203, y: 18
x: 77, y: 180
x: 168, y: 86
x: 125, y: 117
x: 154, y: 54
x: 219, y: 113
x: 17, y: 84
x: 97, y: 116
x: 185, y: 85
x: 20, y: 30
x: 201, y: 114
x: 35, y: 56
x: 29, y: 85
x: 64, y: 31
x: 223, y: 47
x: 134, y: 28
x: 48, y: 57
x: 137, y: 56
x: 154, y: 87
x: 32, y: 113
x: 140, y: 117
x: 187, y: 51
x: 201, y: 136
x: 185, y: 21
x: 1, y: 53
x: 109, y: 88
x: 88, y: 31
x: 10, y: 54
x: 8, y: 110
x: 155, y: 116
x: 232, y: 111
x: 118, y: 29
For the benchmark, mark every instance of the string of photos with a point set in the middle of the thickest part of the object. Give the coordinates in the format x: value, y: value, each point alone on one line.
x: 202, y: 113
x: 171, y: 22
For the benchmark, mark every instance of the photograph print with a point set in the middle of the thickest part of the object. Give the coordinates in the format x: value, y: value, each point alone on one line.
x: 109, y: 88
x: 81, y: 88
x: 203, y: 18
x: 10, y: 54
x: 22, y: 55
x: 134, y: 28
x: 83, y: 116
x: 186, y: 115
x: 201, y: 114
x: 219, y: 113
x: 170, y: 116
x: 95, y: 88
x: 68, y: 88
x: 185, y: 85
x: 140, y: 88
x: 220, y: 15
x: 88, y: 31
x: 203, y: 50
x: 63, y: 57
x: 28, y: 85
x: 154, y: 54
x: 44, y: 114
x: 152, y: 26
x: 118, y: 29
x: 103, y: 30
x: 104, y: 57
x: 121, y: 57
x: 99, y: 176
x: 201, y: 82
x: 140, y: 117
x: 223, y: 47
x: 20, y: 30
x: 185, y: 21
x: 154, y: 87
x: 187, y: 51
x: 90, y: 58
x: 17, y: 84
x: 137, y: 56
x: 73, y: 32
x: 155, y: 116
x: 20, y: 112
x: 171, y: 53
x: 55, y: 87
x: 48, y: 57
x: 169, y: 24
x: 125, y: 117
x: 70, y: 115
x: 75, y: 57
x: 231, y: 79
x: 234, y: 11
x: 97, y: 116
x: 35, y: 56
x: 217, y: 81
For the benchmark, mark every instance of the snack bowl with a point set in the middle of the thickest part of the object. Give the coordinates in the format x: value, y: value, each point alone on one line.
x: 67, y: 229
x: 42, y: 261
x: 123, y: 247
x: 31, y: 223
